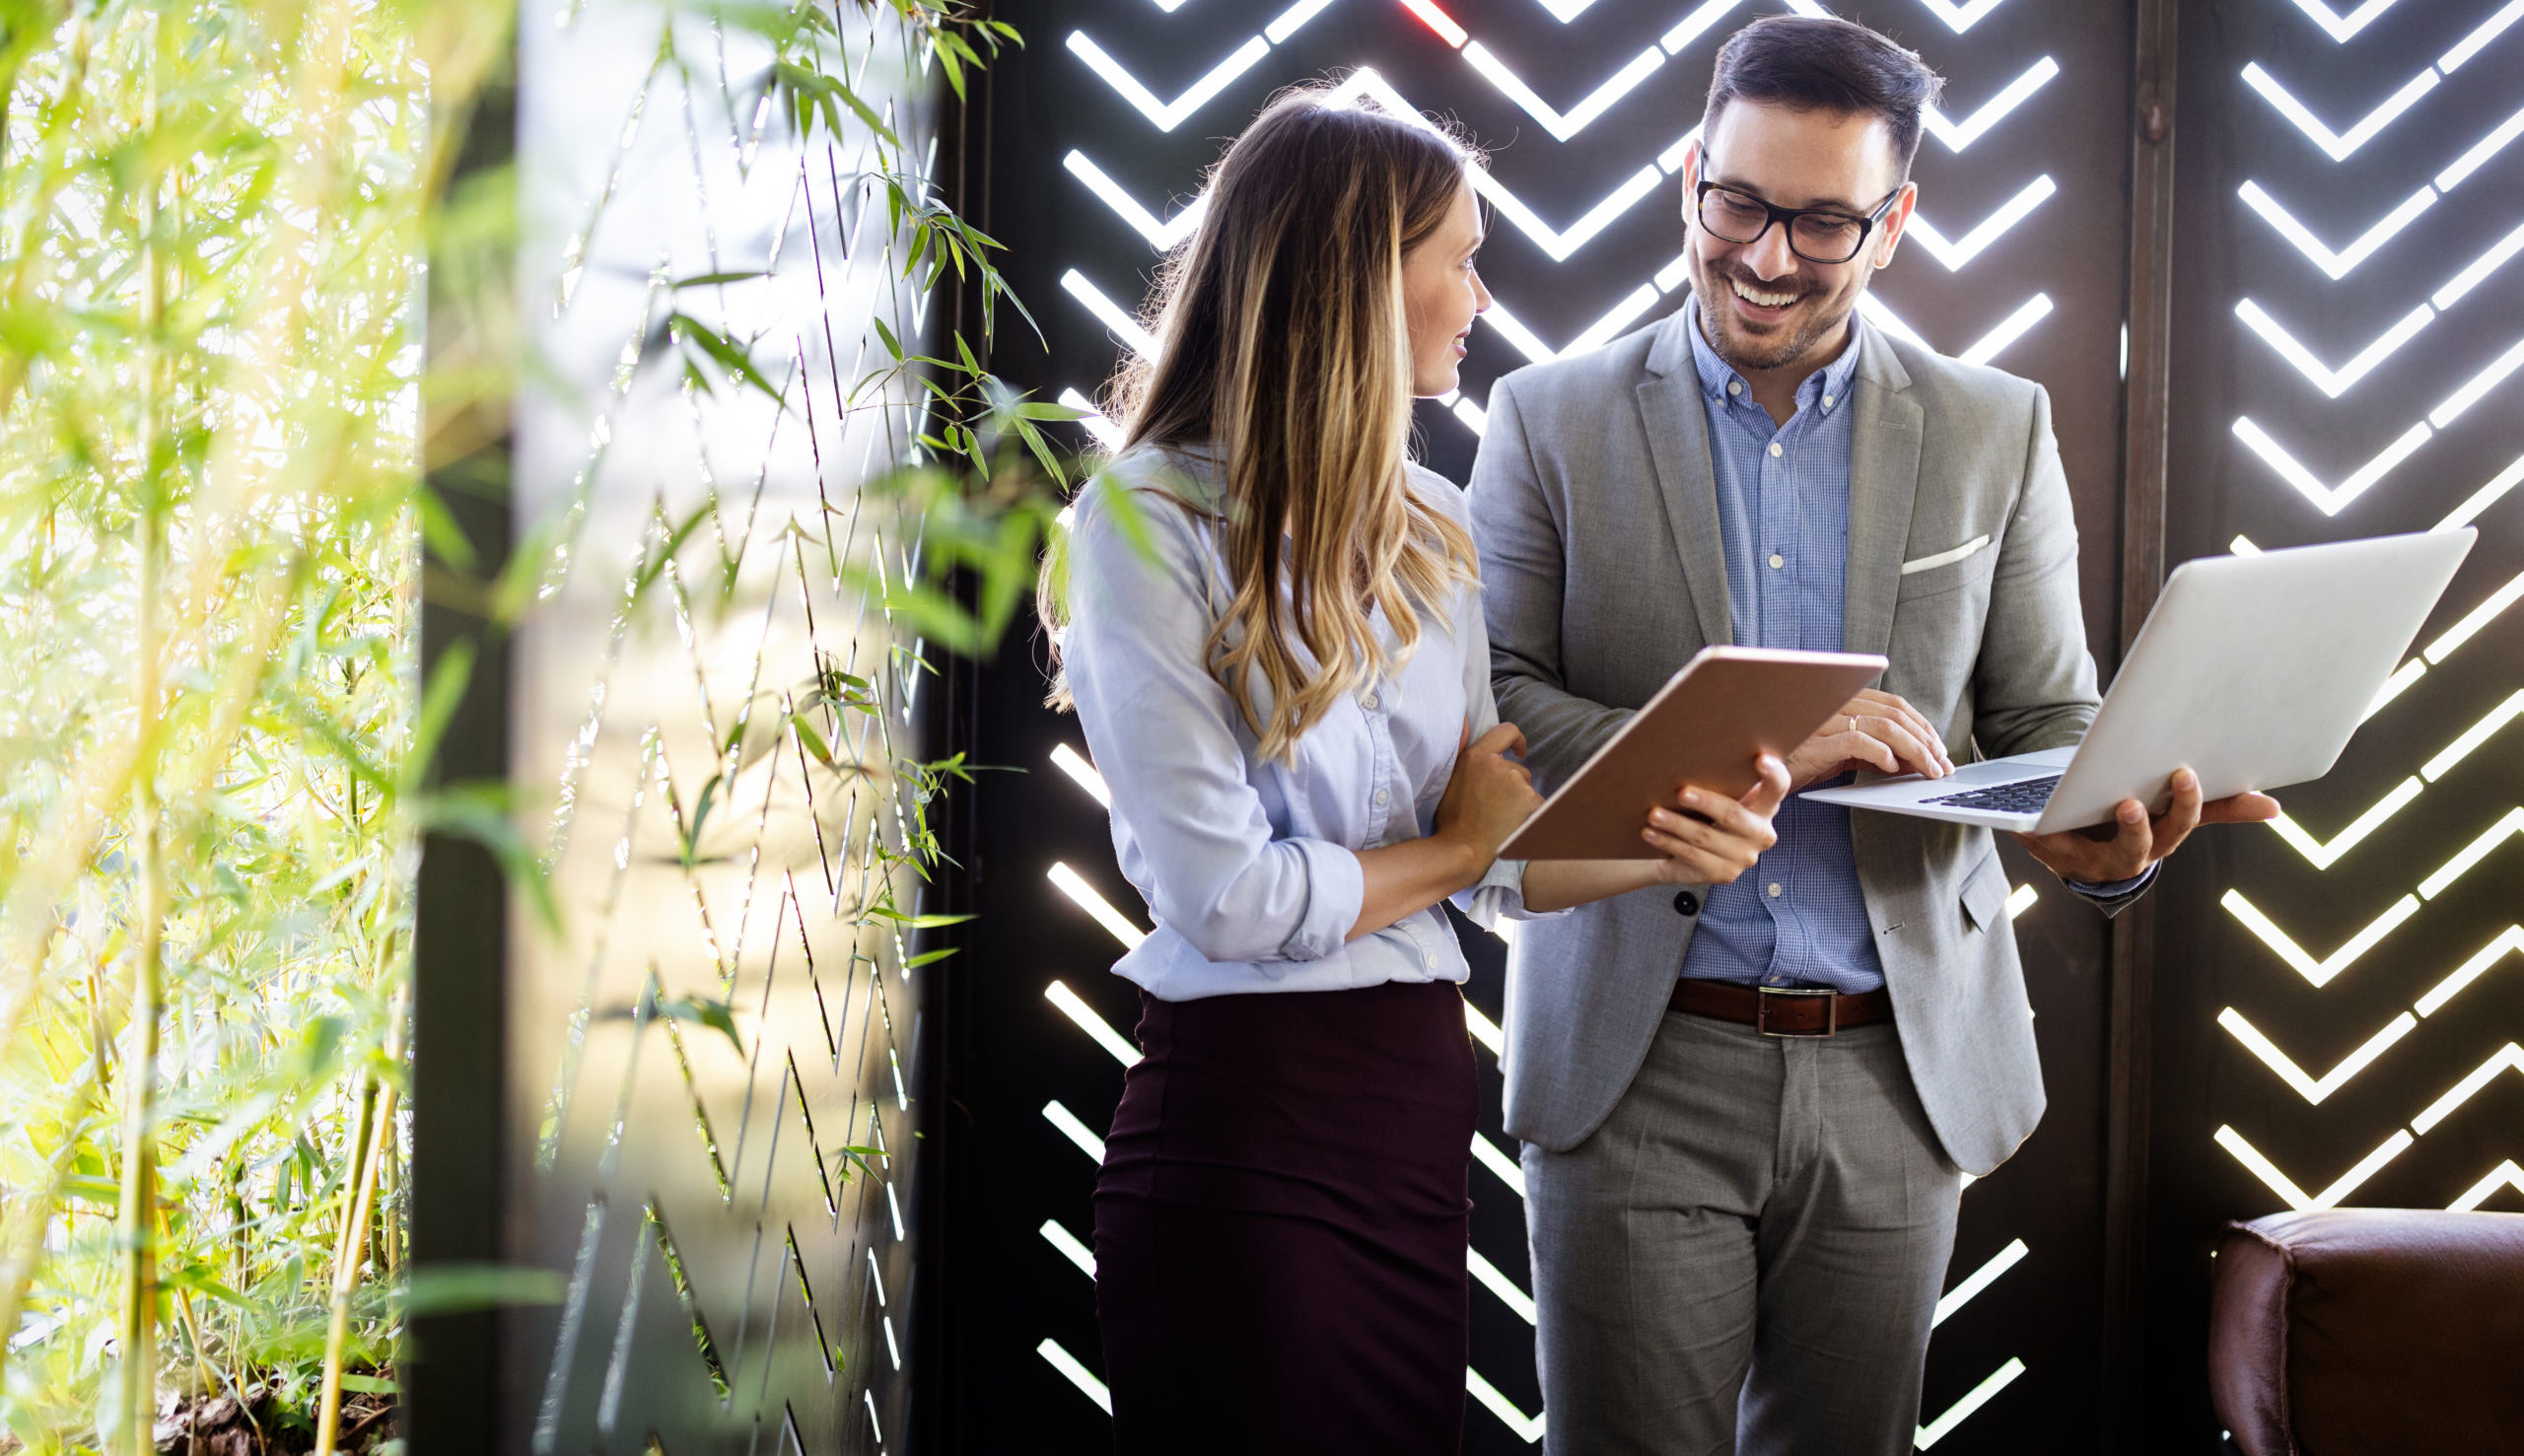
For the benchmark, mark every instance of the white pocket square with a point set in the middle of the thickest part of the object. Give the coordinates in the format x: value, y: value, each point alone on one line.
x: 1945, y: 558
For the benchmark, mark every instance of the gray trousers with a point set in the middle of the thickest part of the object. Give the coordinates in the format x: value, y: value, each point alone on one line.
x: 1745, y: 1256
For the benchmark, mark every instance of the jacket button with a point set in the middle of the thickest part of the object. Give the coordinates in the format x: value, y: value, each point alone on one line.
x: 1686, y: 903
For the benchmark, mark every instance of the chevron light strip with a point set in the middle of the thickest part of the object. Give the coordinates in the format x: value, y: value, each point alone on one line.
x: 2480, y: 153
x: 2504, y: 1175
x: 2297, y: 1198
x: 2474, y: 619
x: 1101, y: 910
x: 2338, y: 146
x: 1963, y: 17
x: 1562, y: 126
x: 2341, y: 27
x: 2508, y: 1058
x: 1291, y: 19
x: 1486, y: 1154
x: 2474, y: 736
x: 2330, y: 500
x: 1957, y: 135
x: 1961, y: 1410
x: 1981, y: 1278
x: 2325, y: 855
x: 2309, y: 1088
x: 1105, y: 431
x: 2509, y: 827
x: 2487, y: 263
x: 1072, y: 1248
x: 1069, y: 1366
x: 1166, y: 116
x: 2318, y: 972
x: 2509, y: 941
x: 1699, y: 21
x: 1075, y: 1131
x: 2481, y: 384
x: 2489, y: 29
x: 2335, y: 266
x: 1956, y: 254
x: 1097, y: 1029
x: 1491, y: 1277
x: 1527, y: 1427
x: 1082, y: 773
x: 2334, y: 383
x: 1161, y: 236
x: 1110, y: 314
x: 2009, y: 329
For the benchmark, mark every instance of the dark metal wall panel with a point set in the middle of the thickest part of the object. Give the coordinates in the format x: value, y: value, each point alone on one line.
x: 709, y: 1027
x: 2340, y: 1004
x: 1097, y: 136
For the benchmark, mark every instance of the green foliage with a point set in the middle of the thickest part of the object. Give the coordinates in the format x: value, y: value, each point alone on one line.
x: 213, y: 426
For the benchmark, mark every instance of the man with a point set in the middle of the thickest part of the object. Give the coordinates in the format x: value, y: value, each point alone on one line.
x: 1739, y: 1235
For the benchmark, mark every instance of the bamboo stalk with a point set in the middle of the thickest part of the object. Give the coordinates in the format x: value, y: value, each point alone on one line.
x: 359, y: 1193
x: 377, y: 1114
x: 136, y: 1223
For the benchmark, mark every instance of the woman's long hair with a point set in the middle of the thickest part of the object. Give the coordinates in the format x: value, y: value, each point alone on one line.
x: 1282, y: 348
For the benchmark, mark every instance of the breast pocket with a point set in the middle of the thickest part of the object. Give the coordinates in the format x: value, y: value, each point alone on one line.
x: 1948, y: 569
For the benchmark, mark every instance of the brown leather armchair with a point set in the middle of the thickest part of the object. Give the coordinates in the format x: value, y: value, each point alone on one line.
x: 2394, y: 1332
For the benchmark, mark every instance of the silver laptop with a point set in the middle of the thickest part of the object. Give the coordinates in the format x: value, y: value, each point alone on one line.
x: 2253, y: 671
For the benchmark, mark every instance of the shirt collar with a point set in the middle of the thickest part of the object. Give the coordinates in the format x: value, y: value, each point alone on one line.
x: 1831, y: 382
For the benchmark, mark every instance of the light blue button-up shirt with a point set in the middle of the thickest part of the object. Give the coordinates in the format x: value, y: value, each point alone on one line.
x: 1797, y: 917
x: 1250, y: 866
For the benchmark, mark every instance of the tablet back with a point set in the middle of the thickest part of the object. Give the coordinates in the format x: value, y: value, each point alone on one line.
x: 1704, y: 726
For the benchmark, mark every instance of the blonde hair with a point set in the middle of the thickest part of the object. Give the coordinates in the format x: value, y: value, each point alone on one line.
x: 1283, y: 347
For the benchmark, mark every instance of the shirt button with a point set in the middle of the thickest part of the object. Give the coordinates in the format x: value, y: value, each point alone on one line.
x: 1370, y: 702
x: 1827, y: 401
x: 1383, y: 798
x: 1734, y: 386
x: 1778, y: 889
x: 1777, y: 561
x: 1775, y: 449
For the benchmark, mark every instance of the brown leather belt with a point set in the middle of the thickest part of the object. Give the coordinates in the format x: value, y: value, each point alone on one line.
x: 1781, y: 1011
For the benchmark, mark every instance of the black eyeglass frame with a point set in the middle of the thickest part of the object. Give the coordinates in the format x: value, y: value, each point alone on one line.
x: 1785, y: 217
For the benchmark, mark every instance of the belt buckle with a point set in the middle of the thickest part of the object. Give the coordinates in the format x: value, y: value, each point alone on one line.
x: 1767, y: 996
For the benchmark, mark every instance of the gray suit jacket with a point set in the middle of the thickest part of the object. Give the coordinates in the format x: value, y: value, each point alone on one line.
x: 1596, y: 516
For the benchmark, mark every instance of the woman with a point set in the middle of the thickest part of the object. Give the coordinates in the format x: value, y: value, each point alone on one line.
x: 1275, y: 646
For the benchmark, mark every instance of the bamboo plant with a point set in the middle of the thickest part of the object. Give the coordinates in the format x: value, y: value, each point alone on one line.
x: 214, y: 422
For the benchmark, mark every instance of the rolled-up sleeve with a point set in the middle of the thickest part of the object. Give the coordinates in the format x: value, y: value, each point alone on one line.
x: 1500, y: 894
x: 1163, y: 732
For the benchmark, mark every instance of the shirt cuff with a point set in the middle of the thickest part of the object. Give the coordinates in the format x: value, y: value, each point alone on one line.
x: 1499, y: 895
x: 2114, y: 889
x: 1336, y: 890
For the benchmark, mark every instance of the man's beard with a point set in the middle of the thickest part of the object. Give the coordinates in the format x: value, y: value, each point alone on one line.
x: 1748, y: 354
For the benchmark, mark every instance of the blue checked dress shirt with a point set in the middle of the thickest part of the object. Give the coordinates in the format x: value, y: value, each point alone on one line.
x: 1797, y: 917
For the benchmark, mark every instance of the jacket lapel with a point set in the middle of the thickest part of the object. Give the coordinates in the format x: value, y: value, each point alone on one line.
x: 1884, y: 480
x: 1670, y: 408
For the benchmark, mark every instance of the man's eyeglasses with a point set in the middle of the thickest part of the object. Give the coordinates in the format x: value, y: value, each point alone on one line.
x: 1818, y: 235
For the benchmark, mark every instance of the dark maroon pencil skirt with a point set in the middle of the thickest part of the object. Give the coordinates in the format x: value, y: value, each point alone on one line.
x: 1281, y: 1224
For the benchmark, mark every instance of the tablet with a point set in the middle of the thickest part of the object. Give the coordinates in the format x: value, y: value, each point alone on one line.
x: 1704, y: 726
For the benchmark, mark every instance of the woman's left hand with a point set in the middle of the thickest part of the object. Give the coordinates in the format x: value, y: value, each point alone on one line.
x: 1718, y: 838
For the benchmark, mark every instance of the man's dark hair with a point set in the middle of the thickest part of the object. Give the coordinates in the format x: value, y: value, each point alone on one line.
x: 1821, y: 63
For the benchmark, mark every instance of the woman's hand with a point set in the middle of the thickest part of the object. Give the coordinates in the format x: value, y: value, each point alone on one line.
x: 1718, y: 838
x: 1488, y: 797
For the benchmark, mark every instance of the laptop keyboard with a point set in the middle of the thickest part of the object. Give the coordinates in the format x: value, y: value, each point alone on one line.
x: 2022, y: 796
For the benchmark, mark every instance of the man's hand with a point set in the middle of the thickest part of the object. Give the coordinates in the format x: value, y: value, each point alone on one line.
x: 1873, y: 730
x: 2126, y: 846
